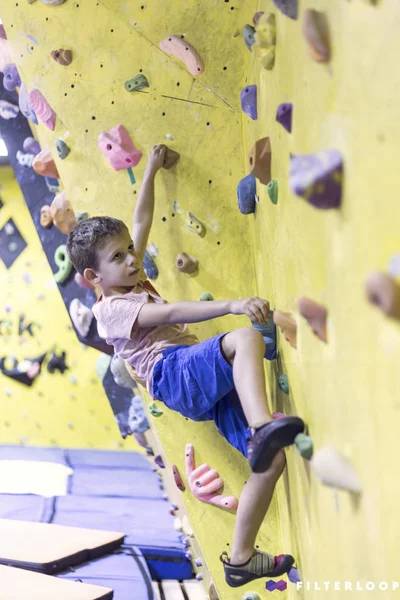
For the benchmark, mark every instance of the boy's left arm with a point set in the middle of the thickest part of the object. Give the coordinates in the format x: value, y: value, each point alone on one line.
x: 144, y: 210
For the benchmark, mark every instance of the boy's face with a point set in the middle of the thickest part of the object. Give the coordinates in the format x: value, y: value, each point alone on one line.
x: 119, y: 265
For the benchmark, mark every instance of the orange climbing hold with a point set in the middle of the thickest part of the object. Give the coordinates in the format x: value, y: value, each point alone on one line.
x: 43, y: 164
x: 260, y: 160
x: 287, y: 325
x: 316, y: 316
x: 383, y: 291
x: 316, y: 32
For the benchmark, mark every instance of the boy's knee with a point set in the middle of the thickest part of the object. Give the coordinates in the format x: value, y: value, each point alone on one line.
x: 231, y: 341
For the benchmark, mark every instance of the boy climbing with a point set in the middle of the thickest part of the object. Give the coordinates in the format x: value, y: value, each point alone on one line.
x: 220, y: 379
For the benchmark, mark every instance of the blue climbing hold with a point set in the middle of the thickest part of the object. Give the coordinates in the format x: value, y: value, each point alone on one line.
x: 249, y: 36
x: 268, y: 331
x: 284, y: 115
x: 248, y: 101
x: 150, y: 267
x: 246, y: 193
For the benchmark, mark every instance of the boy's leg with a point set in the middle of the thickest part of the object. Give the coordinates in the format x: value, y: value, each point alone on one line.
x: 244, y: 349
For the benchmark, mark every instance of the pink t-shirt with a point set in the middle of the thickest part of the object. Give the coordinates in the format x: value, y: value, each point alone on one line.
x: 141, y: 347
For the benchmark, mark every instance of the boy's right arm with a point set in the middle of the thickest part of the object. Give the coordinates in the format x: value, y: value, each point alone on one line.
x: 151, y: 315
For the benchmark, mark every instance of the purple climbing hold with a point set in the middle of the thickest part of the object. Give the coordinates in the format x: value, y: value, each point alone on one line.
x: 3, y: 35
x: 159, y: 461
x: 284, y: 115
x: 248, y: 101
x: 246, y: 193
x: 288, y: 7
x: 11, y: 77
x: 318, y: 178
x: 31, y: 146
x: 293, y: 575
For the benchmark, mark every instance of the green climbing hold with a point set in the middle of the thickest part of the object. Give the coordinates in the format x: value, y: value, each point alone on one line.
x: 272, y: 188
x: 136, y: 83
x: 304, y: 445
x: 81, y: 216
x: 283, y: 384
x: 206, y: 297
x: 251, y: 596
x: 154, y: 410
x: 63, y: 263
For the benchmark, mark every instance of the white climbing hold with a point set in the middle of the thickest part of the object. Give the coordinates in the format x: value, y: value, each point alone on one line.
x: 177, y: 524
x: 9, y: 229
x: 335, y: 470
x: 81, y: 316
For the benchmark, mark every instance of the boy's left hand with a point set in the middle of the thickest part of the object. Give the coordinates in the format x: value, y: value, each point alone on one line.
x: 156, y: 158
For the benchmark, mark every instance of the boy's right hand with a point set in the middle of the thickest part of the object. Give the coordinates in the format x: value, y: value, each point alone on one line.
x: 156, y: 158
x: 255, y: 308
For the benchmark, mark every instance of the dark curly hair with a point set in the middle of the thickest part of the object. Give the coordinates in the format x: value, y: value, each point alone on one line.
x: 90, y: 236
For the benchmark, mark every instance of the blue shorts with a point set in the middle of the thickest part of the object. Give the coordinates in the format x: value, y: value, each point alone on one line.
x: 197, y: 382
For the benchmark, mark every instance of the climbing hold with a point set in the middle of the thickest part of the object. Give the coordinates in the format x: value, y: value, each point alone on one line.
x: 293, y: 575
x: 82, y: 282
x: 335, y: 470
x: 315, y: 30
x: 120, y: 372
x: 265, y: 40
x: 316, y: 316
x: 174, y: 45
x: 283, y: 383
x: 170, y: 158
x: 11, y: 78
x: 199, y: 577
x: 204, y: 483
x: 257, y: 16
x: 13, y: 246
x: 57, y: 363
x: 178, y: 479
x: 137, y: 420
x: 284, y: 115
x: 159, y: 461
x: 304, y: 445
x: 195, y: 225
x: 53, y: 185
x: 318, y: 178
x: 102, y: 365
x: 63, y: 263
x: 272, y: 189
x: 260, y: 160
x: 9, y: 229
x: 287, y: 325
x: 251, y: 596
x: 62, y: 149
x: 248, y: 36
x: 177, y: 524
x: 288, y: 7
x: 206, y: 297
x: 3, y: 35
x: 52, y: 2
x: 118, y: 148
x: 383, y: 291
x: 62, y: 57
x: 25, y: 105
x: 31, y: 146
x: 272, y: 585
x: 42, y: 109
x: 248, y: 101
x: 62, y: 213
x: 246, y: 194
x: 212, y: 592
x: 149, y: 266
x: 155, y: 410
x: 81, y: 216
x: 43, y: 164
x: 198, y: 562
x: 150, y: 452
x: 186, y: 263
x: 81, y: 316
x: 268, y: 331
x: 136, y: 83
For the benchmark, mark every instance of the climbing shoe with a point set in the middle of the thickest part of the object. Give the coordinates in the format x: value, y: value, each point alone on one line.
x: 259, y: 565
x: 270, y: 438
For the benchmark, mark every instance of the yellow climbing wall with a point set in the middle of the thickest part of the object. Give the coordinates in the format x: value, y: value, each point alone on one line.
x: 347, y: 390
x: 70, y: 410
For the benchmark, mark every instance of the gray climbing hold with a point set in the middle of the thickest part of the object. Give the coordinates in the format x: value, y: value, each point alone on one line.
x: 268, y: 331
x: 120, y: 373
x: 248, y: 101
x: 138, y: 82
x: 304, y: 445
x: 248, y: 36
x: 288, y: 7
x: 246, y: 194
x: 62, y: 149
x: 283, y: 383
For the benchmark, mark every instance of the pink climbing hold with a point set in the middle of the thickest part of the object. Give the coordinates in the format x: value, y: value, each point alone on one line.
x: 205, y: 482
x: 118, y: 148
x: 178, y: 479
x: 42, y: 109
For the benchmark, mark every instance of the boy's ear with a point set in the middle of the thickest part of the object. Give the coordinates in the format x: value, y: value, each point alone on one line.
x: 91, y: 276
